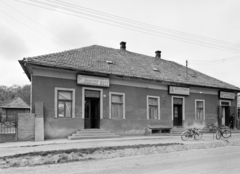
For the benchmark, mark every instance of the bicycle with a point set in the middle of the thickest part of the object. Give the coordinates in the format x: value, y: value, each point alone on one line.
x: 223, y: 132
x: 210, y: 129
x: 192, y: 132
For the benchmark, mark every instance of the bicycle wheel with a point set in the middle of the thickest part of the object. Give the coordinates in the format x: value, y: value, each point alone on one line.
x: 214, y: 129
x: 185, y: 136
x: 226, y: 133
x: 206, y: 130
x: 198, y: 135
x: 218, y: 134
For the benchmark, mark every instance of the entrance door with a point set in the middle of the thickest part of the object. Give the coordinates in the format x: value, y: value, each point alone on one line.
x: 177, y: 115
x: 92, y: 109
x: 224, y: 113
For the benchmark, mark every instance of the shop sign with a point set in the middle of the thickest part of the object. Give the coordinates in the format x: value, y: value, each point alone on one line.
x: 179, y: 90
x: 92, y: 81
x: 226, y: 95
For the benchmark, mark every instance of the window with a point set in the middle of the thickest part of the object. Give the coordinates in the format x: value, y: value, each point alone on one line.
x: 153, y: 107
x: 225, y: 103
x: 64, y: 103
x: 117, y: 105
x: 200, y: 109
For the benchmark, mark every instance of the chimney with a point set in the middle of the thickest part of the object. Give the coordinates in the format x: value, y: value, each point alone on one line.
x: 123, y: 45
x: 158, y: 54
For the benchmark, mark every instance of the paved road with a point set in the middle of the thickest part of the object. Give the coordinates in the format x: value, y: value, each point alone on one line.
x: 215, y: 161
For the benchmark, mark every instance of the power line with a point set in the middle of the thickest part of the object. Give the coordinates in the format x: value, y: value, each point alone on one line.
x: 169, y: 35
x: 216, y: 61
x: 124, y: 19
x: 36, y: 22
x: 127, y: 26
x: 140, y: 23
x: 30, y: 28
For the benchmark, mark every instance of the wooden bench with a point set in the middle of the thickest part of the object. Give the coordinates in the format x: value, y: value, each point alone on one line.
x: 152, y: 129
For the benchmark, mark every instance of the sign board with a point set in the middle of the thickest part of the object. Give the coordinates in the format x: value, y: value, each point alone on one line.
x: 92, y: 80
x: 226, y: 95
x: 179, y: 90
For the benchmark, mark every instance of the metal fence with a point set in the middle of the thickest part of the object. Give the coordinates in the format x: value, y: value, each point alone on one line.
x: 8, y: 124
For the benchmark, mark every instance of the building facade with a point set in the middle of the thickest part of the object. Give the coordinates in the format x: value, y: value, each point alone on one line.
x: 123, y: 92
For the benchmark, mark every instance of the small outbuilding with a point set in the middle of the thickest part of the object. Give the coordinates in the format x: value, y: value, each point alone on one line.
x: 11, y: 108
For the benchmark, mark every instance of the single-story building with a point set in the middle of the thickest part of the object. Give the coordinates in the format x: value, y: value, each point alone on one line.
x: 123, y: 92
x: 11, y: 108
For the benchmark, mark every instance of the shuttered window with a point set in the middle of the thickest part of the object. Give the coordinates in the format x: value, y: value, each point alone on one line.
x: 117, y: 105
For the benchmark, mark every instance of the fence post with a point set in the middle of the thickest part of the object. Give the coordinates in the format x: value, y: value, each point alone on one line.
x: 39, y: 122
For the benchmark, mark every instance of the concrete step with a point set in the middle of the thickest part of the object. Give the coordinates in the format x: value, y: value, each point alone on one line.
x: 177, y: 131
x: 92, y: 134
x: 95, y: 134
x: 92, y: 137
x: 92, y: 131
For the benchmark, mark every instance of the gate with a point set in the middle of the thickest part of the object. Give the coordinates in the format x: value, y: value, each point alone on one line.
x: 8, y: 128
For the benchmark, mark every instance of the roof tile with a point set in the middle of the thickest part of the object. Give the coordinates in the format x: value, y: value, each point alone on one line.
x: 126, y: 63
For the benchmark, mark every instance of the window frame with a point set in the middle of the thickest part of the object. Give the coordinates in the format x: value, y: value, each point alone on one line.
x: 110, y: 104
x: 200, y: 100
x: 183, y: 106
x: 155, y: 97
x: 227, y: 101
x: 57, y: 90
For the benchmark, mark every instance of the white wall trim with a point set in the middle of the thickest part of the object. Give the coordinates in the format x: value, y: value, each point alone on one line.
x: 110, y: 103
x: 220, y: 102
x: 196, y: 100
x: 183, y: 105
x: 158, y: 98
x: 56, y: 100
x: 83, y: 100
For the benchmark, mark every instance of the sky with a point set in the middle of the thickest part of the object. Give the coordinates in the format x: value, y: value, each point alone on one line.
x: 206, y: 33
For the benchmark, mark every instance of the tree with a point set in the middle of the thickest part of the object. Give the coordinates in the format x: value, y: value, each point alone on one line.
x: 9, y: 93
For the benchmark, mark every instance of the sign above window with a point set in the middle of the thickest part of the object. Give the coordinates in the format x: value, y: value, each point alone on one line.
x: 92, y: 81
x: 226, y: 95
x: 179, y: 90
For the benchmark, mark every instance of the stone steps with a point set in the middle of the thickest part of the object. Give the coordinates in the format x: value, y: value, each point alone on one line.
x: 92, y: 134
x: 177, y: 131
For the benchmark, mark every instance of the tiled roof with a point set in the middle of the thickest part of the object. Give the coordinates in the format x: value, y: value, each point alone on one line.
x: 15, y: 103
x: 126, y: 63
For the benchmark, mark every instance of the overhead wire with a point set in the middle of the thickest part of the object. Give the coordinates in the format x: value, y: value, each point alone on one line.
x: 31, y: 28
x: 190, y: 40
x: 109, y: 22
x: 36, y: 23
x: 216, y: 61
x: 130, y: 24
x: 141, y: 23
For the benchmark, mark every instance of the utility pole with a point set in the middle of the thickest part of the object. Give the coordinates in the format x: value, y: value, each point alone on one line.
x: 187, y: 69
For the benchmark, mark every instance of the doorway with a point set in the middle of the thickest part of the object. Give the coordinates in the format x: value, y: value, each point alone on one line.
x: 225, y: 111
x: 177, y: 112
x: 225, y: 115
x: 177, y: 118
x: 92, y: 109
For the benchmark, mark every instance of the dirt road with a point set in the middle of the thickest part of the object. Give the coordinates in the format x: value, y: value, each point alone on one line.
x: 219, y: 160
